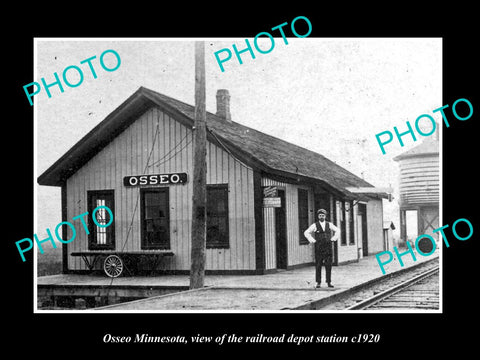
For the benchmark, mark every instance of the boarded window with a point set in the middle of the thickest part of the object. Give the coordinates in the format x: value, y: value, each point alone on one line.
x: 217, y: 216
x: 101, y: 236
x: 155, y: 218
x: 303, y: 223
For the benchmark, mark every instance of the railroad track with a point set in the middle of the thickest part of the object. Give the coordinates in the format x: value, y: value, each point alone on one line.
x: 418, y: 293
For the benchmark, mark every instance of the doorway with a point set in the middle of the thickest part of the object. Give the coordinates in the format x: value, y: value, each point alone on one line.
x: 362, y: 228
x: 281, y: 232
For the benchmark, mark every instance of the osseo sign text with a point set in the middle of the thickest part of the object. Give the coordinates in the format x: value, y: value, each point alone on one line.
x: 158, y: 179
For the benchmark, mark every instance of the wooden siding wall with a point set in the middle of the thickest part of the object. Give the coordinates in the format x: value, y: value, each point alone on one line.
x: 350, y: 252
x: 297, y: 254
x: 127, y: 155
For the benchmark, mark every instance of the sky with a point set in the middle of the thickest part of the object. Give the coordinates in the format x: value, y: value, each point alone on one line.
x: 328, y: 95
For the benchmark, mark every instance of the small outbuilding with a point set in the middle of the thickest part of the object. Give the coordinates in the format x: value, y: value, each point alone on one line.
x: 262, y: 193
x: 388, y: 241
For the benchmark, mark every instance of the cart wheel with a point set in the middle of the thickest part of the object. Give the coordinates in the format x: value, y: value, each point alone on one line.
x: 113, y: 266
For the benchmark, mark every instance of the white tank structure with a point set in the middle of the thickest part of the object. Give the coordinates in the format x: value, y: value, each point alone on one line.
x: 419, y: 188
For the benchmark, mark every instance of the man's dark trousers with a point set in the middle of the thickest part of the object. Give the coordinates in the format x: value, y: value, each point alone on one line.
x: 323, y: 257
x: 323, y: 253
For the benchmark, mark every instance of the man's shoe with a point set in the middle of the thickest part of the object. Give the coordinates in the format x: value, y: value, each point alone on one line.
x: 330, y: 285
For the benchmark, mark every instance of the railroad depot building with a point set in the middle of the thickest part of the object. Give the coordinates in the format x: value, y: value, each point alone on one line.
x: 262, y: 192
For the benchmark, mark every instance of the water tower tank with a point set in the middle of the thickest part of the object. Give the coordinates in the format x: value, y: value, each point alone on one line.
x: 419, y: 174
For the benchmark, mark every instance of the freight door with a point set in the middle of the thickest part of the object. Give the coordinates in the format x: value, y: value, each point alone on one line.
x: 281, y: 232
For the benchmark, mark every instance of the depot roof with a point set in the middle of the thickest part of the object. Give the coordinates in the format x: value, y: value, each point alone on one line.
x: 258, y: 150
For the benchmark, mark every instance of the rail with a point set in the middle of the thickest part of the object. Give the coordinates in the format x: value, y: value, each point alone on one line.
x: 393, y: 290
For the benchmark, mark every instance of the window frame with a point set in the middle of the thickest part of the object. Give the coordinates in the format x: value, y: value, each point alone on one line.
x: 343, y: 224
x: 225, y: 242
x: 302, y: 224
x: 143, y: 231
x: 109, y: 230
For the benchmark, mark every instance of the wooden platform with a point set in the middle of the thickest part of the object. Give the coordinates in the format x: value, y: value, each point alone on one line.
x: 282, y: 290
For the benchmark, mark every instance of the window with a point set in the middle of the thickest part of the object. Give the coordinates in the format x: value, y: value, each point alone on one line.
x: 351, y: 232
x: 155, y: 218
x: 343, y: 224
x: 217, y: 216
x: 303, y: 223
x: 101, y: 237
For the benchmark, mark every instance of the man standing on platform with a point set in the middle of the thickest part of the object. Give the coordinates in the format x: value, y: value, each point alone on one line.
x: 322, y: 238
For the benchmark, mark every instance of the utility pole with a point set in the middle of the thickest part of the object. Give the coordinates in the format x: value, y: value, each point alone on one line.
x: 199, y: 198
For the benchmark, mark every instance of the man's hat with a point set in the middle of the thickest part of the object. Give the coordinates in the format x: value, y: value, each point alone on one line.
x: 321, y: 211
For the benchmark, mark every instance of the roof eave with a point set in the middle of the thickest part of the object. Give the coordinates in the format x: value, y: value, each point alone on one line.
x: 371, y: 192
x: 95, y: 140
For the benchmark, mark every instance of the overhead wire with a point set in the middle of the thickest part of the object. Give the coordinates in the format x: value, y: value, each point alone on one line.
x: 137, y: 199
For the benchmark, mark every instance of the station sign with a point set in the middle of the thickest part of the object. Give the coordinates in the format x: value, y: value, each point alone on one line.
x: 272, y: 202
x: 155, y: 179
x: 270, y: 197
x: 270, y: 191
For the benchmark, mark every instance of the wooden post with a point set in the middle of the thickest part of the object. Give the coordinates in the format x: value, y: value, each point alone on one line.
x: 403, y: 227
x: 199, y: 198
